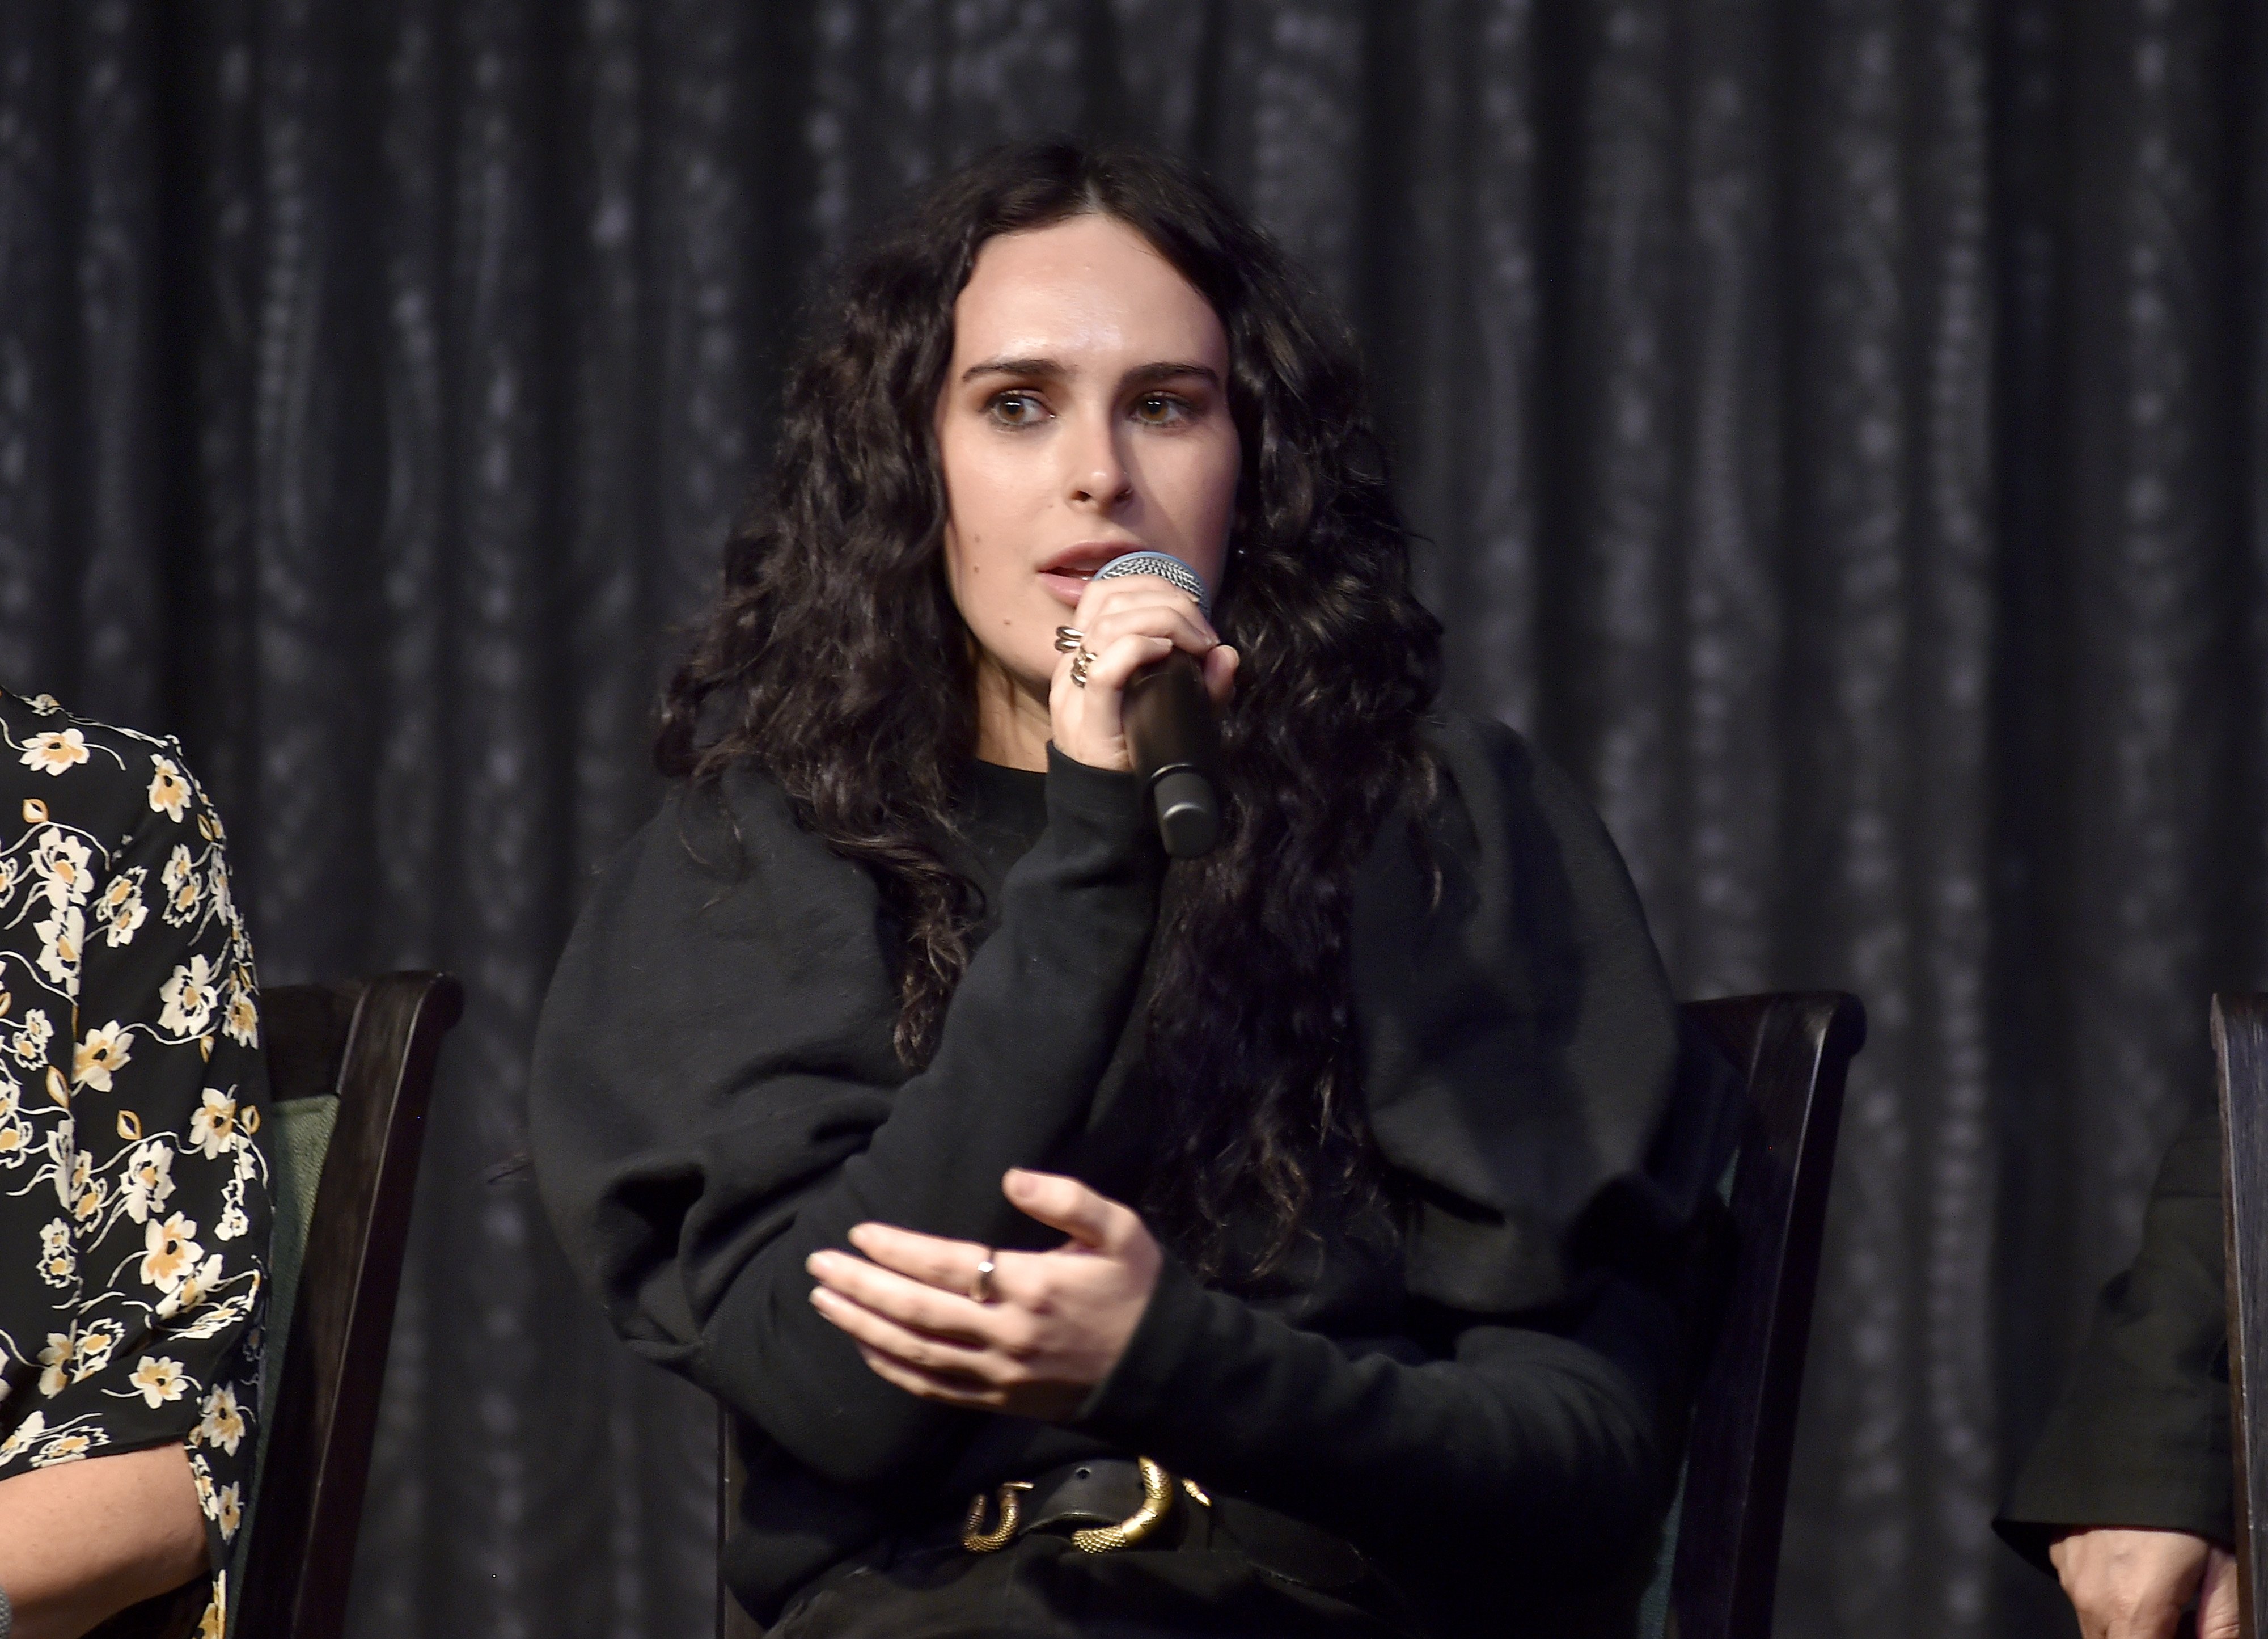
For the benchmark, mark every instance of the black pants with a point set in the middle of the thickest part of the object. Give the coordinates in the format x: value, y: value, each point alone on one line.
x: 1043, y: 1587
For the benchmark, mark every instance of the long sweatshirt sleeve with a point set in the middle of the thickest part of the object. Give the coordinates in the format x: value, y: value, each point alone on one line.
x: 715, y: 1095
x: 1543, y: 1445
x: 2140, y: 1435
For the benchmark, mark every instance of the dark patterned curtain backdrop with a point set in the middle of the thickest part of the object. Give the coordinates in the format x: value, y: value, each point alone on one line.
x: 1839, y: 429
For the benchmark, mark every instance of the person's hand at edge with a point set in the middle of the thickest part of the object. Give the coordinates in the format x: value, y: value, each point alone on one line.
x: 2217, y: 1595
x: 2132, y: 1582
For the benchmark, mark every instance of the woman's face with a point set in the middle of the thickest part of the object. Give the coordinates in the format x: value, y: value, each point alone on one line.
x: 1085, y: 415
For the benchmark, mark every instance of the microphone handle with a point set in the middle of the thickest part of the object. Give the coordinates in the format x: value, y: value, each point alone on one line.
x: 1176, y: 743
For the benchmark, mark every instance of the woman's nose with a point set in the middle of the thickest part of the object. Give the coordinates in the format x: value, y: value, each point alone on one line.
x: 1099, y: 474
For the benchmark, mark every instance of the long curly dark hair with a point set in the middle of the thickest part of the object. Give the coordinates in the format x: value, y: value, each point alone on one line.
x: 821, y: 659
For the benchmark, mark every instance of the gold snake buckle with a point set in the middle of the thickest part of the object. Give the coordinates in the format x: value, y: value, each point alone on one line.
x: 1157, y: 1503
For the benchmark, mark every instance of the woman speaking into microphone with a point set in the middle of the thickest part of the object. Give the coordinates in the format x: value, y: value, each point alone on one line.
x: 1287, y: 1239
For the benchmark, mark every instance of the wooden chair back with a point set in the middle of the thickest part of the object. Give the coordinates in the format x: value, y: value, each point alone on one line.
x: 373, y: 1044
x: 1794, y: 1051
x: 2240, y: 1050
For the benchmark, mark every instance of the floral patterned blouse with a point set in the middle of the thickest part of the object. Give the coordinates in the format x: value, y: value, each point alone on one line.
x: 134, y: 1198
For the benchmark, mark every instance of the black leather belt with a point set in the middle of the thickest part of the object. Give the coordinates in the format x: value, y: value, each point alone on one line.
x: 1112, y: 1503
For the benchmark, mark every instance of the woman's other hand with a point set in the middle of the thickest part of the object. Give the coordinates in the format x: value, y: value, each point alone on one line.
x: 2129, y: 1583
x: 1054, y: 1326
x: 1128, y: 624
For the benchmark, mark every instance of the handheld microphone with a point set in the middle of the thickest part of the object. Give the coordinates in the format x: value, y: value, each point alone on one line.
x: 1170, y: 727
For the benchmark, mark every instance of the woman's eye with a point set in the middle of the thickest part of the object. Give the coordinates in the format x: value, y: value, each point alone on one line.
x: 1161, y: 408
x: 1016, y: 410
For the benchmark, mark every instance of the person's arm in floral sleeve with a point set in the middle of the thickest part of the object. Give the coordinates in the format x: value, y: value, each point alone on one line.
x: 134, y: 1206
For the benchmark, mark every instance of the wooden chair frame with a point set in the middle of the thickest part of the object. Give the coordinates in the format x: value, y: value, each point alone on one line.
x: 1794, y: 1051
x: 374, y: 1043
x: 2240, y: 1047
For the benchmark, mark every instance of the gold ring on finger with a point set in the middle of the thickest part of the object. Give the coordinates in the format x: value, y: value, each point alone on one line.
x: 1069, y: 639
x: 1081, y: 665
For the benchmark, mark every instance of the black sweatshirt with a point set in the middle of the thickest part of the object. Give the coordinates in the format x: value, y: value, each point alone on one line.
x: 2140, y: 1436
x: 1490, y: 1390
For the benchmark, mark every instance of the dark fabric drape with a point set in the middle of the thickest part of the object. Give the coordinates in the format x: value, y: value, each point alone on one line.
x: 1839, y: 430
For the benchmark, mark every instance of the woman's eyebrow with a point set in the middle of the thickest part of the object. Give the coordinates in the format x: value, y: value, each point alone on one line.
x: 1044, y: 369
x: 1146, y: 375
x: 1048, y: 370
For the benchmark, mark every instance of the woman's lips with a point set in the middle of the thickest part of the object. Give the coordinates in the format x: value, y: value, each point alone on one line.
x: 1068, y: 572
x: 1067, y: 586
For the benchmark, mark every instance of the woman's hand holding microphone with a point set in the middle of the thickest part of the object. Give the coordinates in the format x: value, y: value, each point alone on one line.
x: 1119, y: 627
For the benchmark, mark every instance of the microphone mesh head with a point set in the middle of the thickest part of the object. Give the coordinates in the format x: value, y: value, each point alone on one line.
x: 1166, y: 566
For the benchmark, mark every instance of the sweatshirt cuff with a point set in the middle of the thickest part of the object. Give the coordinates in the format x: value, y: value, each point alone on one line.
x: 2033, y: 1537
x: 2039, y: 1510
x: 1109, y: 800
x: 1097, y: 819
x: 1130, y: 1399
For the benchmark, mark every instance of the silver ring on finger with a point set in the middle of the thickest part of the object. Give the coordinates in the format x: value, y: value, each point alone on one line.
x: 981, y: 1288
x: 1082, y: 664
x: 1070, y: 641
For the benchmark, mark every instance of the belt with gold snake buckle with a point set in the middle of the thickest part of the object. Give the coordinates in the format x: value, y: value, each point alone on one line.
x: 1158, y: 1491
